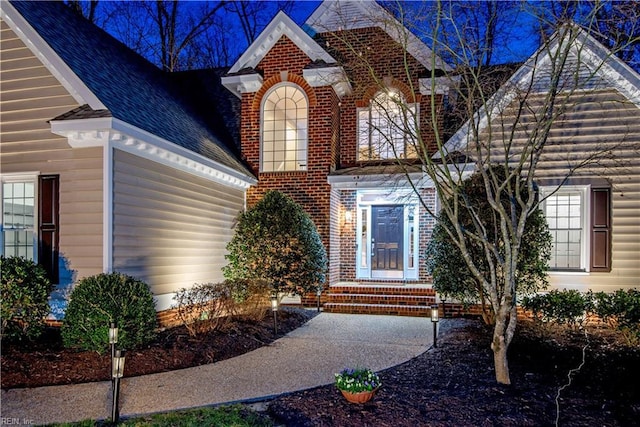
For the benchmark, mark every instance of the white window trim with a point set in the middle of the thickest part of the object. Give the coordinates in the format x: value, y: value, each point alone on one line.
x: 415, y: 106
x: 262, y: 102
x: 585, y: 210
x: 21, y: 177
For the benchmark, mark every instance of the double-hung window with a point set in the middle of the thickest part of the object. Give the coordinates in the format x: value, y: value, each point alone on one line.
x: 579, y: 221
x: 386, y: 128
x: 18, y: 217
x: 285, y: 111
x: 30, y: 219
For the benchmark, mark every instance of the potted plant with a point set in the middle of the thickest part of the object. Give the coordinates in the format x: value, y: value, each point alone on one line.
x: 357, y: 385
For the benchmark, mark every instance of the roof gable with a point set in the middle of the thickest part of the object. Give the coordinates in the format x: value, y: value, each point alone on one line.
x: 280, y: 25
x: 335, y: 15
x: 597, y: 68
x: 50, y: 58
x: 135, y: 91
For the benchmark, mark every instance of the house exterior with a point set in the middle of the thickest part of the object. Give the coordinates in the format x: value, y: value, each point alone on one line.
x: 108, y: 164
x: 104, y: 167
x: 310, y: 128
x: 306, y: 130
x: 593, y: 212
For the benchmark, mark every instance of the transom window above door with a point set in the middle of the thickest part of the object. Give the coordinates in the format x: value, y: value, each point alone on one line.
x: 285, y: 111
x: 387, y: 128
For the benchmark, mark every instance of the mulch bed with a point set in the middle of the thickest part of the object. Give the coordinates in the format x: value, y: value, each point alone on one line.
x: 46, y: 362
x: 454, y: 385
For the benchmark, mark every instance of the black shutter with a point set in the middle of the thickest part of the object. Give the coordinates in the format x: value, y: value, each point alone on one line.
x: 48, y: 228
x: 601, y: 229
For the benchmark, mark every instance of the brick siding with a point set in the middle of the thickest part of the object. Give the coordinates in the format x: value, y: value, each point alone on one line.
x: 332, y: 139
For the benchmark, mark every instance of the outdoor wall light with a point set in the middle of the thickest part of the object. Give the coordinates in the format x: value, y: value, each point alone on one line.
x: 117, y: 372
x: 434, y: 320
x: 274, y: 308
x: 348, y: 217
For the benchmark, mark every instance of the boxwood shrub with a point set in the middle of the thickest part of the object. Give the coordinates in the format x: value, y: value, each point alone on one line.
x: 620, y: 309
x: 97, y: 301
x: 25, y: 292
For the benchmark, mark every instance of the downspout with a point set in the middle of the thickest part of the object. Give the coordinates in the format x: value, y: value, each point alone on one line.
x: 107, y: 210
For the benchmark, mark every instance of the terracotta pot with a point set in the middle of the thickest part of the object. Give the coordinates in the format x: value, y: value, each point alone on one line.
x: 359, y: 397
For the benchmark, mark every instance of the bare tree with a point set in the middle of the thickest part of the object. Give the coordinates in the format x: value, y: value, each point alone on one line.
x: 171, y: 34
x: 177, y: 29
x: 253, y: 16
x: 84, y: 8
x: 179, y: 35
x: 511, y: 127
x: 616, y: 24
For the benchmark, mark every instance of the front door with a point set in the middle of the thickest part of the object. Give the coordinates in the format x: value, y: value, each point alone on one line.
x: 387, y: 241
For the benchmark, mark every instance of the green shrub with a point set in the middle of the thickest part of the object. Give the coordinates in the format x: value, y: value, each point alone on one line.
x: 204, y: 307
x: 277, y: 241
x: 251, y: 298
x: 621, y: 310
x: 97, y: 301
x: 451, y: 275
x: 562, y: 307
x: 211, y: 306
x: 25, y: 293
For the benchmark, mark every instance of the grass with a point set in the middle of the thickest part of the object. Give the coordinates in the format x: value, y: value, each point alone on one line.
x: 227, y: 416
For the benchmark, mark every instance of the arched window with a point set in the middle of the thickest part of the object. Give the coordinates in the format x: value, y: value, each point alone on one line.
x: 284, y: 129
x: 386, y: 128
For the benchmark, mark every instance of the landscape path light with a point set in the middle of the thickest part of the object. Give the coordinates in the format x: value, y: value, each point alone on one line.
x: 113, y: 340
x: 117, y: 372
x: 319, y: 294
x: 274, y: 308
x: 434, y: 320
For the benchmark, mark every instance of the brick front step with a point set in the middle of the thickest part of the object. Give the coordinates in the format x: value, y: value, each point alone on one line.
x: 379, y: 298
x: 394, y: 310
x: 417, y: 300
x: 381, y: 289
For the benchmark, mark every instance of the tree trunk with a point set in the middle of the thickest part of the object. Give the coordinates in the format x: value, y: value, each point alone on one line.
x: 500, y: 347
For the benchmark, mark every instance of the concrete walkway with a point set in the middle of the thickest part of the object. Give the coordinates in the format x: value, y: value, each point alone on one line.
x: 304, y: 358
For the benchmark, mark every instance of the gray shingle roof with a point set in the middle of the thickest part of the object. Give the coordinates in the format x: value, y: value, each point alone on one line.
x: 83, y: 112
x: 133, y: 90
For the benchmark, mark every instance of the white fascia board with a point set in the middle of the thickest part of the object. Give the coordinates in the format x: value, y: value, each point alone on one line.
x: 367, y: 182
x: 279, y: 26
x: 84, y: 133
x: 615, y: 71
x: 330, y: 16
x: 125, y: 137
x: 334, y: 76
x: 418, y: 179
x: 244, y: 83
x: 51, y: 60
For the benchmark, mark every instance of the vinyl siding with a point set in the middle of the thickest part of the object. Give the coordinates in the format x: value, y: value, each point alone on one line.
x: 599, y: 121
x: 29, y: 97
x: 170, y: 228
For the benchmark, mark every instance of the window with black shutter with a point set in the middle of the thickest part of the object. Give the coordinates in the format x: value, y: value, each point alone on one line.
x: 600, y: 229
x: 48, y: 225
